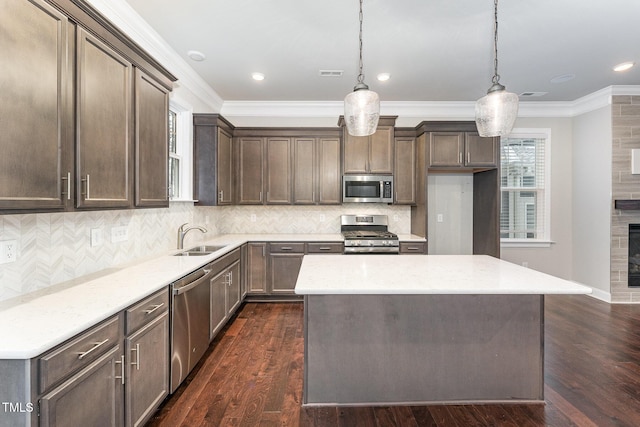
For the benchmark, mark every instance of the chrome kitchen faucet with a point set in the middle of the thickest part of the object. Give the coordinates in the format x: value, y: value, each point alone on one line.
x: 183, y: 232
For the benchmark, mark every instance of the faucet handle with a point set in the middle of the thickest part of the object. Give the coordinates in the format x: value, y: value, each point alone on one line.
x: 181, y: 228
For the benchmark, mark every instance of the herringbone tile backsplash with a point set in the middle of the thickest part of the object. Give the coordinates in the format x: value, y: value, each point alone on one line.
x: 56, y: 247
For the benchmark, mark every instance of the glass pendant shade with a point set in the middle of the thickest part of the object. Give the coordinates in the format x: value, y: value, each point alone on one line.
x: 496, y: 112
x: 361, y: 112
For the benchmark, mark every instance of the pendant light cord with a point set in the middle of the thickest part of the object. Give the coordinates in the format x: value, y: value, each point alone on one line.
x: 496, y: 76
x: 360, y: 75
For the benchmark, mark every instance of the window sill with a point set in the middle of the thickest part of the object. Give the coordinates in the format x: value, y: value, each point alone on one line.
x: 525, y: 243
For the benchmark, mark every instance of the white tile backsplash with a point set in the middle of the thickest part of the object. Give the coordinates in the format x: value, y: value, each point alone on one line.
x: 55, y: 247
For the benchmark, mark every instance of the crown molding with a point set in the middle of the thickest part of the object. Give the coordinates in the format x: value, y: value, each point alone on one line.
x: 127, y: 19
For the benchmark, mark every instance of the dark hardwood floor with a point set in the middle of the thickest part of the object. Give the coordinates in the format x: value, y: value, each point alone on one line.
x: 252, y: 376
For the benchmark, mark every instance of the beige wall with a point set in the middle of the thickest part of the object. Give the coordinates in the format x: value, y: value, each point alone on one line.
x: 556, y: 259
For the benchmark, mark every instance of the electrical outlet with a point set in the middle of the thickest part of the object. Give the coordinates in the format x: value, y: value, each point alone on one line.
x: 119, y: 234
x: 525, y: 264
x: 253, y: 217
x: 8, y: 251
x: 322, y: 218
x: 395, y: 218
x: 96, y: 237
x: 440, y: 218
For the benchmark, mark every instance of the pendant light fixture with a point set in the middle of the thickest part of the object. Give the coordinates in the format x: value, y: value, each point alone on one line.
x: 496, y: 112
x: 362, y: 106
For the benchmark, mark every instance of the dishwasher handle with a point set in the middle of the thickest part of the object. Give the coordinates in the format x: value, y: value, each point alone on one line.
x: 202, y: 275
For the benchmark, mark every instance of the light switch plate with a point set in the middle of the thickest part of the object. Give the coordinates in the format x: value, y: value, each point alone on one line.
x: 96, y: 237
x: 635, y: 161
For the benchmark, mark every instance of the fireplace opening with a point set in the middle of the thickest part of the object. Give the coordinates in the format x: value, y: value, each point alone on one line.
x: 634, y: 255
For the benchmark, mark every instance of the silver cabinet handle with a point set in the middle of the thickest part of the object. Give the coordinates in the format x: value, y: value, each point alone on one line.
x: 121, y: 362
x: 137, y: 362
x: 261, y: 196
x: 68, y: 179
x: 286, y: 248
x: 96, y: 345
x: 87, y: 194
x: 468, y: 157
x: 324, y: 248
x: 155, y: 307
x: 460, y: 157
x: 412, y: 248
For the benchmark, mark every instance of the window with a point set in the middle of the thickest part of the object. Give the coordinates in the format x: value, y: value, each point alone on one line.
x: 524, y: 179
x: 174, y: 157
x: 179, y: 153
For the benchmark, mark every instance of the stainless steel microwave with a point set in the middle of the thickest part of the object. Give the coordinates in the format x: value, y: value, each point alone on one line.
x: 367, y: 189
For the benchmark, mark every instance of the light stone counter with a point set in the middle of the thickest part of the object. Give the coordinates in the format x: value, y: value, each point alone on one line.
x: 36, y: 322
x: 416, y: 329
x: 425, y: 274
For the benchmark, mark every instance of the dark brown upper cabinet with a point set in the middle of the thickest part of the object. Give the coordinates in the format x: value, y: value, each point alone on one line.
x: 250, y: 170
x: 278, y: 171
x: 371, y: 154
x: 103, y: 125
x: 462, y: 149
x: 152, y: 150
x: 214, y: 169
x: 316, y: 168
x: 70, y: 128
x: 404, y: 177
x: 36, y: 165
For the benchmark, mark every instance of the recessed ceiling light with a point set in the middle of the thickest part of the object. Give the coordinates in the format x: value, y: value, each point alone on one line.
x: 624, y: 66
x: 383, y: 77
x: 196, y: 56
x: 563, y: 78
x: 257, y: 76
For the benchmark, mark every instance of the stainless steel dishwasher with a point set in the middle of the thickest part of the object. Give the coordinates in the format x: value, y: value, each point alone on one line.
x: 189, y: 323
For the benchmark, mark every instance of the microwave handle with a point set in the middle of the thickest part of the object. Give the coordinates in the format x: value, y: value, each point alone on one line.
x: 381, y: 191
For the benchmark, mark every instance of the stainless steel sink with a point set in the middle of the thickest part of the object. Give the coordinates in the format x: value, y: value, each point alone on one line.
x: 200, y: 250
x: 190, y: 253
x: 206, y: 248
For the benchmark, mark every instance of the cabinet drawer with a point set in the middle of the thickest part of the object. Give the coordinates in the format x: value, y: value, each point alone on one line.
x: 146, y: 310
x: 413, y: 248
x: 286, y: 248
x: 78, y: 353
x: 225, y: 261
x: 325, y: 248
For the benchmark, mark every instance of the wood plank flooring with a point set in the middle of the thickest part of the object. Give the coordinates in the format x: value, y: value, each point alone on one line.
x: 252, y: 376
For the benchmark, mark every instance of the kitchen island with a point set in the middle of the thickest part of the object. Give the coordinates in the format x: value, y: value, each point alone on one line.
x: 386, y: 329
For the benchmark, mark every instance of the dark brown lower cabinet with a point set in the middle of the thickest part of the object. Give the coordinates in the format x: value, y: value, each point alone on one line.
x: 92, y: 397
x: 147, y: 382
x: 257, y: 268
x: 285, y: 260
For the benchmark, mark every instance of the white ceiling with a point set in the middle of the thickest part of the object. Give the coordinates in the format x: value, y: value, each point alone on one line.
x: 435, y: 50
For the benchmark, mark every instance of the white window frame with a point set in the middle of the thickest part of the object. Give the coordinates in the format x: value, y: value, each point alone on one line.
x: 544, y: 240
x: 184, y: 150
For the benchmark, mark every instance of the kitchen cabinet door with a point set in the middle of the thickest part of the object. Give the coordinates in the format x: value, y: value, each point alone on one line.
x: 356, y: 153
x: 445, y: 149
x: 257, y: 268
x: 152, y: 150
x: 37, y: 113
x: 481, y: 151
x: 233, y: 288
x: 278, y: 168
x: 103, y: 122
x: 284, y: 269
x: 381, y: 151
x: 405, y: 171
x: 218, y: 312
x: 329, y: 176
x: 101, y: 382
x: 147, y: 381
x: 250, y: 171
x: 224, y: 169
x: 304, y: 171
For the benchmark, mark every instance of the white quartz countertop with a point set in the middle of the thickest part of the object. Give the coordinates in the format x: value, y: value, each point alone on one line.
x: 36, y: 322
x: 425, y: 274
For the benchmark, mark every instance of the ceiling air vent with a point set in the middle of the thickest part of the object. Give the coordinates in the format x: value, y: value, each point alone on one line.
x: 331, y: 73
x: 532, y: 94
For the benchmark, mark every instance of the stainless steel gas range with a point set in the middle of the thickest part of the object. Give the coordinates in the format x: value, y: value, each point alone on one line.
x: 368, y: 234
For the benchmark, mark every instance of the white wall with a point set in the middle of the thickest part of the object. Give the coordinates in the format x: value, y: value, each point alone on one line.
x: 591, y: 219
x: 556, y: 259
